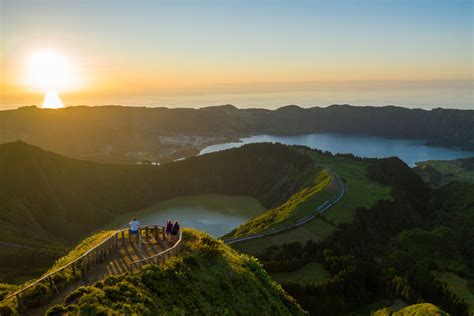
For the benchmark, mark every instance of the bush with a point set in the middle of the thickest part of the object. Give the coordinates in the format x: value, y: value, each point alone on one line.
x: 76, y: 294
x: 56, y: 310
x: 6, y: 310
x: 36, y: 296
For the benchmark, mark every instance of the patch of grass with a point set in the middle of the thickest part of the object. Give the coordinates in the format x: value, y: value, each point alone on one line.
x: 458, y: 286
x: 360, y: 190
x: 415, y: 310
x: 440, y: 172
x: 82, y: 248
x: 312, y: 272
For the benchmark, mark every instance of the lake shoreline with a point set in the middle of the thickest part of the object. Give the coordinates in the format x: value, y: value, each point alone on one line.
x: 422, y: 149
x: 217, y: 214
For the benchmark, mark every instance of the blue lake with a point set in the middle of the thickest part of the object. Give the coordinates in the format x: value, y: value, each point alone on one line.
x: 410, y: 151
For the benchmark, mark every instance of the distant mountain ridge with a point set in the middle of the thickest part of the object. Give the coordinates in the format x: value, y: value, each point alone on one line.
x: 114, y: 133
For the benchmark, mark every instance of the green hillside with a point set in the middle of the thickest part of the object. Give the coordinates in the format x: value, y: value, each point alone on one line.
x: 209, y: 278
x: 299, y: 205
x: 423, y: 309
x: 361, y: 191
x: 415, y: 246
x: 49, y: 202
x: 440, y: 172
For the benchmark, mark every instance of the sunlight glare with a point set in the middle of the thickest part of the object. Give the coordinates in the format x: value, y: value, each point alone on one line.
x: 52, y: 101
x: 50, y: 72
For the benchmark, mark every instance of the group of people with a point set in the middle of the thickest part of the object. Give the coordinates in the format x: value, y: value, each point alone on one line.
x: 171, y: 230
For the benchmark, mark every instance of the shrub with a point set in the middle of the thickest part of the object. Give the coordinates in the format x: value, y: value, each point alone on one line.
x: 76, y: 294
x: 56, y: 310
x: 6, y: 310
x: 36, y: 296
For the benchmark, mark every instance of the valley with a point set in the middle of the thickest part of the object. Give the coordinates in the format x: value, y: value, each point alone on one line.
x: 409, y: 243
x: 50, y: 202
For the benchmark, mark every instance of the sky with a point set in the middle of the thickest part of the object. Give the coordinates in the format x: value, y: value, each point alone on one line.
x: 414, y: 53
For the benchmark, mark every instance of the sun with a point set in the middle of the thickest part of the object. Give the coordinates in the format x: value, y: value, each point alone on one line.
x: 50, y: 72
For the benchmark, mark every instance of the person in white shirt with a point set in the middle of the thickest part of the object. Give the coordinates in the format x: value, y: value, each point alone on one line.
x: 134, y: 224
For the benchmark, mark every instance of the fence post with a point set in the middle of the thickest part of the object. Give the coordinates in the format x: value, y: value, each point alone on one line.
x: 147, y: 232
x: 123, y: 237
x: 163, y: 233
x: 155, y: 232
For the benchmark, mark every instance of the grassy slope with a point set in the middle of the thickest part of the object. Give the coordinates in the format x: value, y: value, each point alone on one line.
x: 297, y: 206
x: 440, y: 172
x: 65, y: 276
x: 423, y: 309
x: 360, y: 191
x: 210, y: 278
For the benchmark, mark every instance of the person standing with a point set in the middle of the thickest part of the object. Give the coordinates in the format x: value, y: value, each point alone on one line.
x: 134, y: 227
x: 174, y: 232
x: 169, y: 227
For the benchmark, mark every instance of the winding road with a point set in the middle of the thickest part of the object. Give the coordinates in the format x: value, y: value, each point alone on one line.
x: 319, y: 210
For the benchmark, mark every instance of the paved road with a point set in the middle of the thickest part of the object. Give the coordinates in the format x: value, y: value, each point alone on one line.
x: 13, y: 245
x: 319, y: 210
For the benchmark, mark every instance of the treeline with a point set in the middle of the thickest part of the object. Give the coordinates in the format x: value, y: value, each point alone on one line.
x: 356, y: 257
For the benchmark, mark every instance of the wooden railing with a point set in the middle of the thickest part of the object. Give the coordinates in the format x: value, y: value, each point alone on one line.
x: 96, y: 254
x: 160, y: 257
